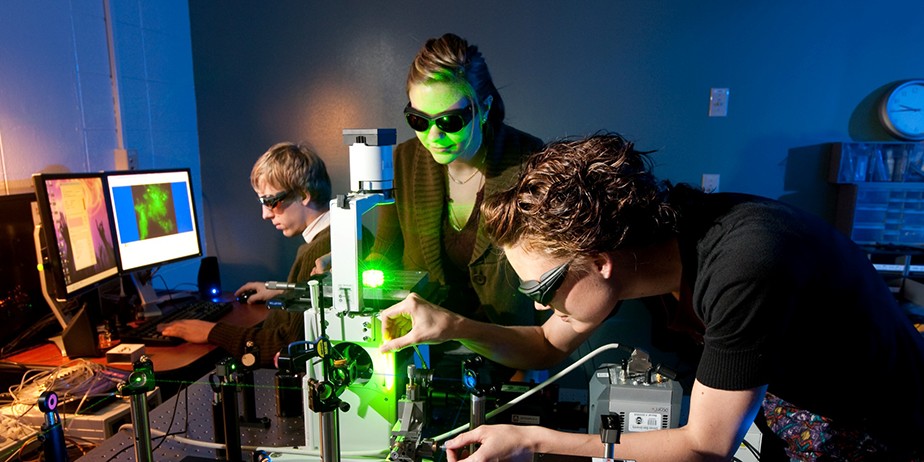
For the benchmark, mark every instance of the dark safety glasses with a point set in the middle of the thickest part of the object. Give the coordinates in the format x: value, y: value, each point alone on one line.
x: 448, y: 121
x: 543, y: 290
x: 271, y: 202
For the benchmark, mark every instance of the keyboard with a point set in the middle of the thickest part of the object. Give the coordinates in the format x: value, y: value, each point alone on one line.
x: 13, y: 433
x: 146, y: 332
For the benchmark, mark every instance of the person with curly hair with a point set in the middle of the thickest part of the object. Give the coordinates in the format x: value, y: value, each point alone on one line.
x: 786, y: 307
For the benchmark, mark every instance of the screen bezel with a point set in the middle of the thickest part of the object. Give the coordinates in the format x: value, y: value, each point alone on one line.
x: 118, y: 176
x: 51, y: 255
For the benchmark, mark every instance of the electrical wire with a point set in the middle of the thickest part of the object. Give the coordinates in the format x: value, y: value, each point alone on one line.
x: 13, y: 346
x: 534, y: 390
x: 423, y: 361
x: 176, y: 402
x: 18, y: 454
x: 79, y: 381
x: 33, y: 444
x: 750, y: 447
x: 78, y: 377
x: 16, y: 430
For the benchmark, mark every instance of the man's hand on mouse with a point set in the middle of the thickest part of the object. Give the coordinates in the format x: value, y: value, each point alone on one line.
x: 256, y: 292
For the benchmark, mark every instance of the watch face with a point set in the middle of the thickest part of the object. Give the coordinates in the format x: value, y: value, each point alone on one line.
x: 902, y: 110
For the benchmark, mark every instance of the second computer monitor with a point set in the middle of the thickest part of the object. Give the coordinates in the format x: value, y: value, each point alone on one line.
x: 155, y: 217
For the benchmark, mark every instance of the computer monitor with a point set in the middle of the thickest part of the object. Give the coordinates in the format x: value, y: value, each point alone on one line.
x: 75, y: 253
x: 76, y: 233
x: 155, y: 219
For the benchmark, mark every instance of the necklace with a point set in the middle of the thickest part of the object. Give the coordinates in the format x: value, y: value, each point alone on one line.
x: 455, y: 208
x: 453, y: 221
x: 477, y: 171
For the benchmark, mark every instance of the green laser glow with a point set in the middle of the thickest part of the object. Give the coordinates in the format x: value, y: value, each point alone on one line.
x: 373, y: 278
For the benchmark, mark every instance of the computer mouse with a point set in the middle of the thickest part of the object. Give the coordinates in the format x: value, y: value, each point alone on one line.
x: 245, y: 295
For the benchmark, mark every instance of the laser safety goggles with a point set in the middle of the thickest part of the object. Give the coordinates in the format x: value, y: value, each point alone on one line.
x: 271, y: 202
x: 543, y: 290
x: 448, y: 121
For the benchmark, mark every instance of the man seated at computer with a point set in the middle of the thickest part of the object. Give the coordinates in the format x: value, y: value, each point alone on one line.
x: 294, y: 189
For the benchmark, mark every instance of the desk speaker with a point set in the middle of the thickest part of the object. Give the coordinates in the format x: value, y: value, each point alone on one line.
x: 209, y: 278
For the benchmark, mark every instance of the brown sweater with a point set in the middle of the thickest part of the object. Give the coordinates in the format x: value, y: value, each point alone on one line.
x: 409, y: 230
x: 280, y: 327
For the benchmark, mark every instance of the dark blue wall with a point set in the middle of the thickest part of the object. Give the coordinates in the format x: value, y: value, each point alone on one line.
x: 801, y: 74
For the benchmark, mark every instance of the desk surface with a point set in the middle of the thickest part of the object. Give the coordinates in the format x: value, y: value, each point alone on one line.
x: 165, y: 358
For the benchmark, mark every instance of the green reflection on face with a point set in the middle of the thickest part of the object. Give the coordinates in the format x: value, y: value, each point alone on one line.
x: 434, y: 98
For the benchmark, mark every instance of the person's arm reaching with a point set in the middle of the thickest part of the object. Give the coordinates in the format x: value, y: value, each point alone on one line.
x: 717, y: 424
x: 414, y: 320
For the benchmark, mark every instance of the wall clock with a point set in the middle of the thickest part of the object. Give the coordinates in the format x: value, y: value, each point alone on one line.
x: 901, y: 110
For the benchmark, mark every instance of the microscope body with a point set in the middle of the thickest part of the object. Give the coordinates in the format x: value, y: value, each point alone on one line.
x: 351, y: 325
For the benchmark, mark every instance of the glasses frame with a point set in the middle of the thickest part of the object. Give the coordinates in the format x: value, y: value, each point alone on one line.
x: 444, y: 120
x: 271, y: 202
x: 543, y: 290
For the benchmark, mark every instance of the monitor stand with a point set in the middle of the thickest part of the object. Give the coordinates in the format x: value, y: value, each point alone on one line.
x: 56, y: 306
x: 152, y: 304
x: 78, y: 339
x: 58, y: 340
x: 147, y: 296
x: 78, y: 336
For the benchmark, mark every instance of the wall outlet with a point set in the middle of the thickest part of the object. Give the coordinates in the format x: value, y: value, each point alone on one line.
x: 718, y: 102
x: 710, y: 182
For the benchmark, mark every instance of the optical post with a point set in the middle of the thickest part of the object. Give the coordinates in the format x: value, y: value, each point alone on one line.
x: 52, y: 436
x: 249, y: 402
x: 227, y: 373
x: 139, y: 383
x: 610, y: 427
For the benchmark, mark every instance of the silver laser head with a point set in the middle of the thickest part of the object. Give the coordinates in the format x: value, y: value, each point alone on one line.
x: 371, y: 164
x: 370, y: 136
